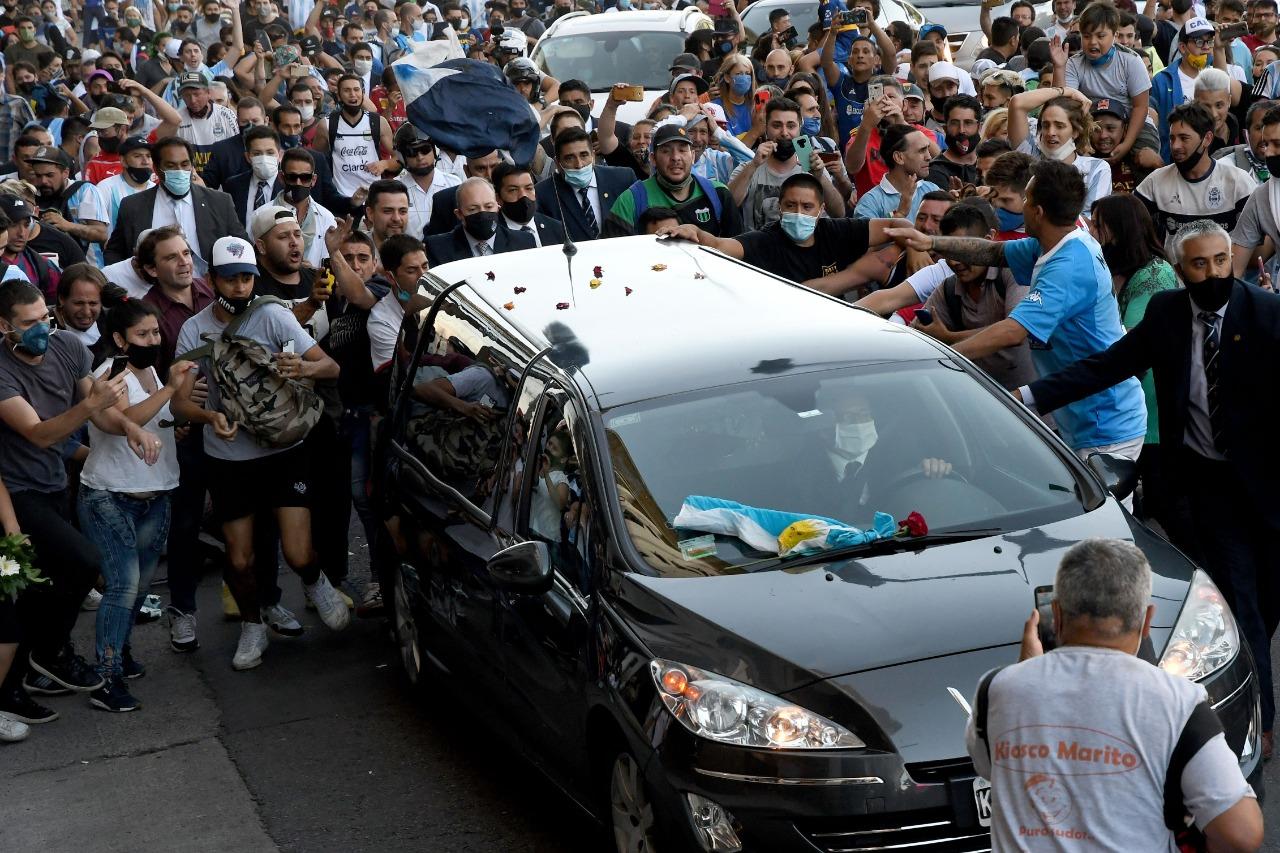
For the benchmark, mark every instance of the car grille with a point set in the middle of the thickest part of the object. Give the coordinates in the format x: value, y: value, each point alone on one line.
x: 919, y: 832
x: 939, y: 772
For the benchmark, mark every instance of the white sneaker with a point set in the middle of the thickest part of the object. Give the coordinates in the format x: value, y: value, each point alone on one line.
x: 282, y: 621
x: 253, y: 642
x: 329, y: 604
x: 12, y: 731
x: 182, y: 630
x: 91, y: 601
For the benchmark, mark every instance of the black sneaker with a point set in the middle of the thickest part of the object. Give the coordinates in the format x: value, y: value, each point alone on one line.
x: 114, y: 696
x: 17, y: 705
x: 70, y: 670
x: 34, y: 682
x: 132, y: 668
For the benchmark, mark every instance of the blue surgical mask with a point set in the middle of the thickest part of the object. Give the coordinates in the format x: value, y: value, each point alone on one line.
x: 1009, y: 221
x: 177, y: 182
x: 799, y: 226
x: 291, y: 140
x: 811, y: 126
x: 35, y: 340
x: 741, y: 83
x: 579, y: 178
x: 1104, y: 59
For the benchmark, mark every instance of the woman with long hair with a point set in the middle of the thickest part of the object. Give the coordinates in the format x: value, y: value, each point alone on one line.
x: 737, y: 82
x: 1139, y: 270
x: 1062, y: 134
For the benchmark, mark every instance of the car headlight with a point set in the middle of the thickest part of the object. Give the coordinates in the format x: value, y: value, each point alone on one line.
x: 1205, y: 639
x: 727, y: 711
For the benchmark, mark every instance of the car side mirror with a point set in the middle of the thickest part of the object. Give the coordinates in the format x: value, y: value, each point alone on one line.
x: 524, y: 567
x: 1118, y: 475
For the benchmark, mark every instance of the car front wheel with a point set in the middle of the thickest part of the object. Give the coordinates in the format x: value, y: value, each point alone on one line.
x: 630, y: 807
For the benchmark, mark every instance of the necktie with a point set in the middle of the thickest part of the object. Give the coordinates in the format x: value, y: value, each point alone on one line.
x: 261, y: 198
x: 484, y: 249
x: 1211, y: 375
x: 593, y: 227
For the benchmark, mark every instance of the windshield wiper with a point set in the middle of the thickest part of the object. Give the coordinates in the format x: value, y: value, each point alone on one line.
x: 891, y: 546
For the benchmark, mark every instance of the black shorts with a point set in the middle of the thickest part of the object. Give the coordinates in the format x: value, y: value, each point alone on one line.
x: 243, y: 488
x: 9, y: 632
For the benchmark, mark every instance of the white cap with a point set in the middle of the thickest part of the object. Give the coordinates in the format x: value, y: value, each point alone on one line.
x: 232, y: 255
x: 1196, y: 27
x: 89, y: 55
x: 943, y: 71
x: 173, y: 49
x: 269, y: 216
x: 980, y: 67
x: 514, y: 39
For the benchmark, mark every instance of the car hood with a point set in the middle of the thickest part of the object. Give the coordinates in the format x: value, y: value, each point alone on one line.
x: 782, y: 629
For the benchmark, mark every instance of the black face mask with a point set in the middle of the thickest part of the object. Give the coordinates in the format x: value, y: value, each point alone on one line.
x: 963, y: 144
x: 1273, y: 165
x: 1187, y: 166
x: 233, y: 306
x: 481, y: 224
x: 143, y: 357
x: 297, y: 195
x: 420, y: 171
x: 520, y: 210
x: 138, y: 174
x: 1212, y: 293
x: 785, y: 150
x: 583, y: 110
x: 109, y: 144
x: 290, y: 141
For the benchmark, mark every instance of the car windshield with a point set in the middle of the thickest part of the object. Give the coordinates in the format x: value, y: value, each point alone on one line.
x: 921, y: 437
x: 602, y: 59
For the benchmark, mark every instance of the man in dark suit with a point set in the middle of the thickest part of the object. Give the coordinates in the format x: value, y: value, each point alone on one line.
x: 206, y: 213
x: 479, y: 231
x: 580, y: 191
x: 260, y: 183
x: 445, y: 201
x: 1205, y: 346
x: 518, y: 200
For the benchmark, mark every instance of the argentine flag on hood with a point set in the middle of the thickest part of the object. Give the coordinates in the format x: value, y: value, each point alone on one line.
x: 777, y: 532
x: 464, y: 104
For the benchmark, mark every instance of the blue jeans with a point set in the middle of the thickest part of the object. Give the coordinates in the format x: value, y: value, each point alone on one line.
x: 130, y: 533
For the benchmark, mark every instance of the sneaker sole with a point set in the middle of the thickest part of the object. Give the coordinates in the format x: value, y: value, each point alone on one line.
x: 135, y: 676
x: 103, y: 706
x: 288, y: 632
x: 31, y: 721
x: 74, y: 688
x: 238, y: 667
x: 18, y: 739
x: 45, y: 691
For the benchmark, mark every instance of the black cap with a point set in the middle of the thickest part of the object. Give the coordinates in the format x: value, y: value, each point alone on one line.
x: 685, y: 62
x: 133, y: 143
x: 309, y: 45
x: 669, y: 133
x: 698, y: 83
x: 50, y: 154
x: 192, y: 80
x: 15, y: 208
x: 1111, y: 106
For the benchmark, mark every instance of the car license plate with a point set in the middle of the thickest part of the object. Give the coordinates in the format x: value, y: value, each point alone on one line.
x: 982, y: 799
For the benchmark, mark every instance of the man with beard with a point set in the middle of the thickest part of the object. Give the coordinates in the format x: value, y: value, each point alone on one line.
x: 702, y: 123
x: 353, y: 140
x: 1262, y: 24
x: 74, y: 208
x: 1194, y: 186
x: 277, y: 237
x: 1258, y: 220
x: 696, y: 200
x: 1110, y: 120
x: 420, y: 177
x: 298, y: 174
x: 862, y: 156
x: 1248, y: 155
x: 1202, y: 344
x: 961, y: 115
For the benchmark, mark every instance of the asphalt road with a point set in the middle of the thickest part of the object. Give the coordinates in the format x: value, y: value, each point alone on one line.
x: 319, y: 749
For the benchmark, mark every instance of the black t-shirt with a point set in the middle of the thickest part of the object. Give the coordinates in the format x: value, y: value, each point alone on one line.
x: 268, y: 286
x: 837, y: 243
x: 942, y: 170
x: 994, y: 55
x: 52, y: 241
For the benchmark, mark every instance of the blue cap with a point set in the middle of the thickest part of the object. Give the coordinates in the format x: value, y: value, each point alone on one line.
x: 929, y: 28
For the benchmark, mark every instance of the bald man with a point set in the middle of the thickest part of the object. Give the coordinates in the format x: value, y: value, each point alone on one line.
x: 778, y: 68
x: 479, y: 231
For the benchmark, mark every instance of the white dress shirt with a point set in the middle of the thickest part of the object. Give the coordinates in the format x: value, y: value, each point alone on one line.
x: 249, y: 210
x: 593, y: 194
x: 1199, y: 432
x: 421, y: 201
x: 181, y: 212
x: 530, y: 228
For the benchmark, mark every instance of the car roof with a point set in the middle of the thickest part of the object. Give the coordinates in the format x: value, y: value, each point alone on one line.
x: 673, y: 21
x: 701, y: 320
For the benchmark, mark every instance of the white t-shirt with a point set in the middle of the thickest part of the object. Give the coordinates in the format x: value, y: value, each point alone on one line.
x: 1220, y: 196
x: 384, y: 328
x: 544, y: 514
x: 218, y: 125
x: 112, y: 465
x: 123, y: 274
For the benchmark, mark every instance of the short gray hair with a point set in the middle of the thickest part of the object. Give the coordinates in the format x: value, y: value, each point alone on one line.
x: 1104, y: 579
x: 1195, y: 230
x: 1213, y: 80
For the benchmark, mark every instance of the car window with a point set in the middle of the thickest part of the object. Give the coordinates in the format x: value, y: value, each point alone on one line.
x: 841, y: 445
x: 518, y: 449
x: 756, y: 18
x: 602, y: 59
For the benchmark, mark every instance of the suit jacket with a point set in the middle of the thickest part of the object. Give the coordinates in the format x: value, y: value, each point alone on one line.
x: 1162, y: 343
x: 215, y: 217
x: 554, y: 195
x: 550, y: 231
x: 443, y: 248
x: 443, y: 204
x: 238, y: 188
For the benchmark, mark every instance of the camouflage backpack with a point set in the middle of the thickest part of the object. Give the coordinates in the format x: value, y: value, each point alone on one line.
x: 275, y: 411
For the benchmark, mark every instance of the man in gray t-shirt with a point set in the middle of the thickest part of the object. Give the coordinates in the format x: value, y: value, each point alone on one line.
x: 1079, y: 741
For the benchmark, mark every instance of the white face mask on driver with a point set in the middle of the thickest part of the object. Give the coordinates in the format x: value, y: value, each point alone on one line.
x: 856, y: 439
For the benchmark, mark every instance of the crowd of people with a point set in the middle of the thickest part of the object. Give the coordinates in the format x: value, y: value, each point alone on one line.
x: 177, y: 175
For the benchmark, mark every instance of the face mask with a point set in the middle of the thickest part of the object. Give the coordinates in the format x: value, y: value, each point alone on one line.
x: 362, y: 66
x: 291, y: 140
x: 420, y: 171
x: 1104, y: 59
x: 138, y: 174
x: 265, y: 167
x: 741, y: 83
x: 308, y: 112
x: 811, y: 126
x: 109, y: 144
x: 518, y: 13
x: 1061, y: 153
x: 520, y: 210
x: 1212, y: 293
x: 856, y: 439
x: 1273, y: 166
x: 297, y: 195
x: 799, y: 226
x: 233, y: 306
x: 143, y: 357
x: 403, y: 296
x: 172, y: 7
x: 963, y: 144
x: 1187, y: 166
x: 177, y: 182
x: 785, y: 150
x: 481, y: 224
x: 1009, y: 221
x: 583, y: 110
x: 35, y: 340
x: 579, y: 178
x: 624, y: 5
x: 1197, y: 60
x: 26, y: 37
x: 211, y: 19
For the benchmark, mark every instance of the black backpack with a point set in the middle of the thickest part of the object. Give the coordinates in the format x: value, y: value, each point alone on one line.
x: 375, y: 130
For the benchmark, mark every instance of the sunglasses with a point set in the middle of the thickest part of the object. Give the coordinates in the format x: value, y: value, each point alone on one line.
x: 296, y: 178
x: 419, y: 150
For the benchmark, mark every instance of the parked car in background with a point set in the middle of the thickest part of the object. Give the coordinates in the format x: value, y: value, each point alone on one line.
x: 755, y: 18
